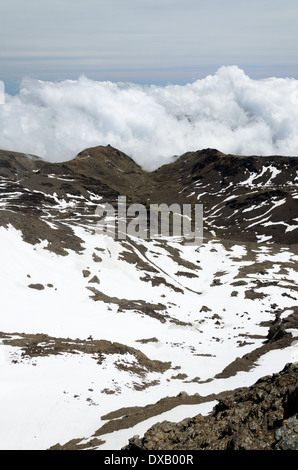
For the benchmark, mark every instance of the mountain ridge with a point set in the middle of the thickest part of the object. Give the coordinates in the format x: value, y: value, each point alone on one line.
x: 244, y: 197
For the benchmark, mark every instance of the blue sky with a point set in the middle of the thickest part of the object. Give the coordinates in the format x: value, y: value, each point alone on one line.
x: 146, y: 41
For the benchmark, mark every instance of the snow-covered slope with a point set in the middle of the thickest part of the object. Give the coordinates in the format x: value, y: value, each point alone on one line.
x: 100, y: 338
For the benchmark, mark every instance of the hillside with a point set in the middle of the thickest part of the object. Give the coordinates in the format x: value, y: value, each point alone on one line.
x: 101, y: 337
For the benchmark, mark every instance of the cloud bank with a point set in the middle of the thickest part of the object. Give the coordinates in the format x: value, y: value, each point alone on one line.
x: 228, y: 111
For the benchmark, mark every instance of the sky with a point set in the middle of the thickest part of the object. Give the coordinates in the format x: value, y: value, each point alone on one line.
x: 146, y: 41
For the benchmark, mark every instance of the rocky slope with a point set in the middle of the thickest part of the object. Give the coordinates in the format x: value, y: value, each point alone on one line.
x: 261, y: 417
x: 107, y: 336
x: 244, y: 198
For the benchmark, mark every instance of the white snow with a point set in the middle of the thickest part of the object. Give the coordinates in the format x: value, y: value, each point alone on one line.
x: 45, y: 400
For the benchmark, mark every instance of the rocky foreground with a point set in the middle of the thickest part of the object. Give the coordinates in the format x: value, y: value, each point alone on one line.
x: 261, y: 417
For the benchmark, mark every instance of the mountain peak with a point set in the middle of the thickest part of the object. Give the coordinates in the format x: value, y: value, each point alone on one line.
x: 110, y: 155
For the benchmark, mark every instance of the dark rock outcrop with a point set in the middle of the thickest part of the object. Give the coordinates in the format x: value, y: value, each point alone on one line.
x: 261, y: 417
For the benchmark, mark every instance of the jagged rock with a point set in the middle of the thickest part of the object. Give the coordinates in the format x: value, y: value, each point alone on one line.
x: 261, y: 417
x: 287, y: 435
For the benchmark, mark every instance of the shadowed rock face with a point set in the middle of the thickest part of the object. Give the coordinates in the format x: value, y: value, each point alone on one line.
x: 261, y: 417
x: 243, y: 198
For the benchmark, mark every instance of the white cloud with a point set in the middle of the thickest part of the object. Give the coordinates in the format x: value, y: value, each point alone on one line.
x: 228, y: 111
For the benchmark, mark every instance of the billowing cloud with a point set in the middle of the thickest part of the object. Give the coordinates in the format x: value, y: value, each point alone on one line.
x: 228, y: 111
